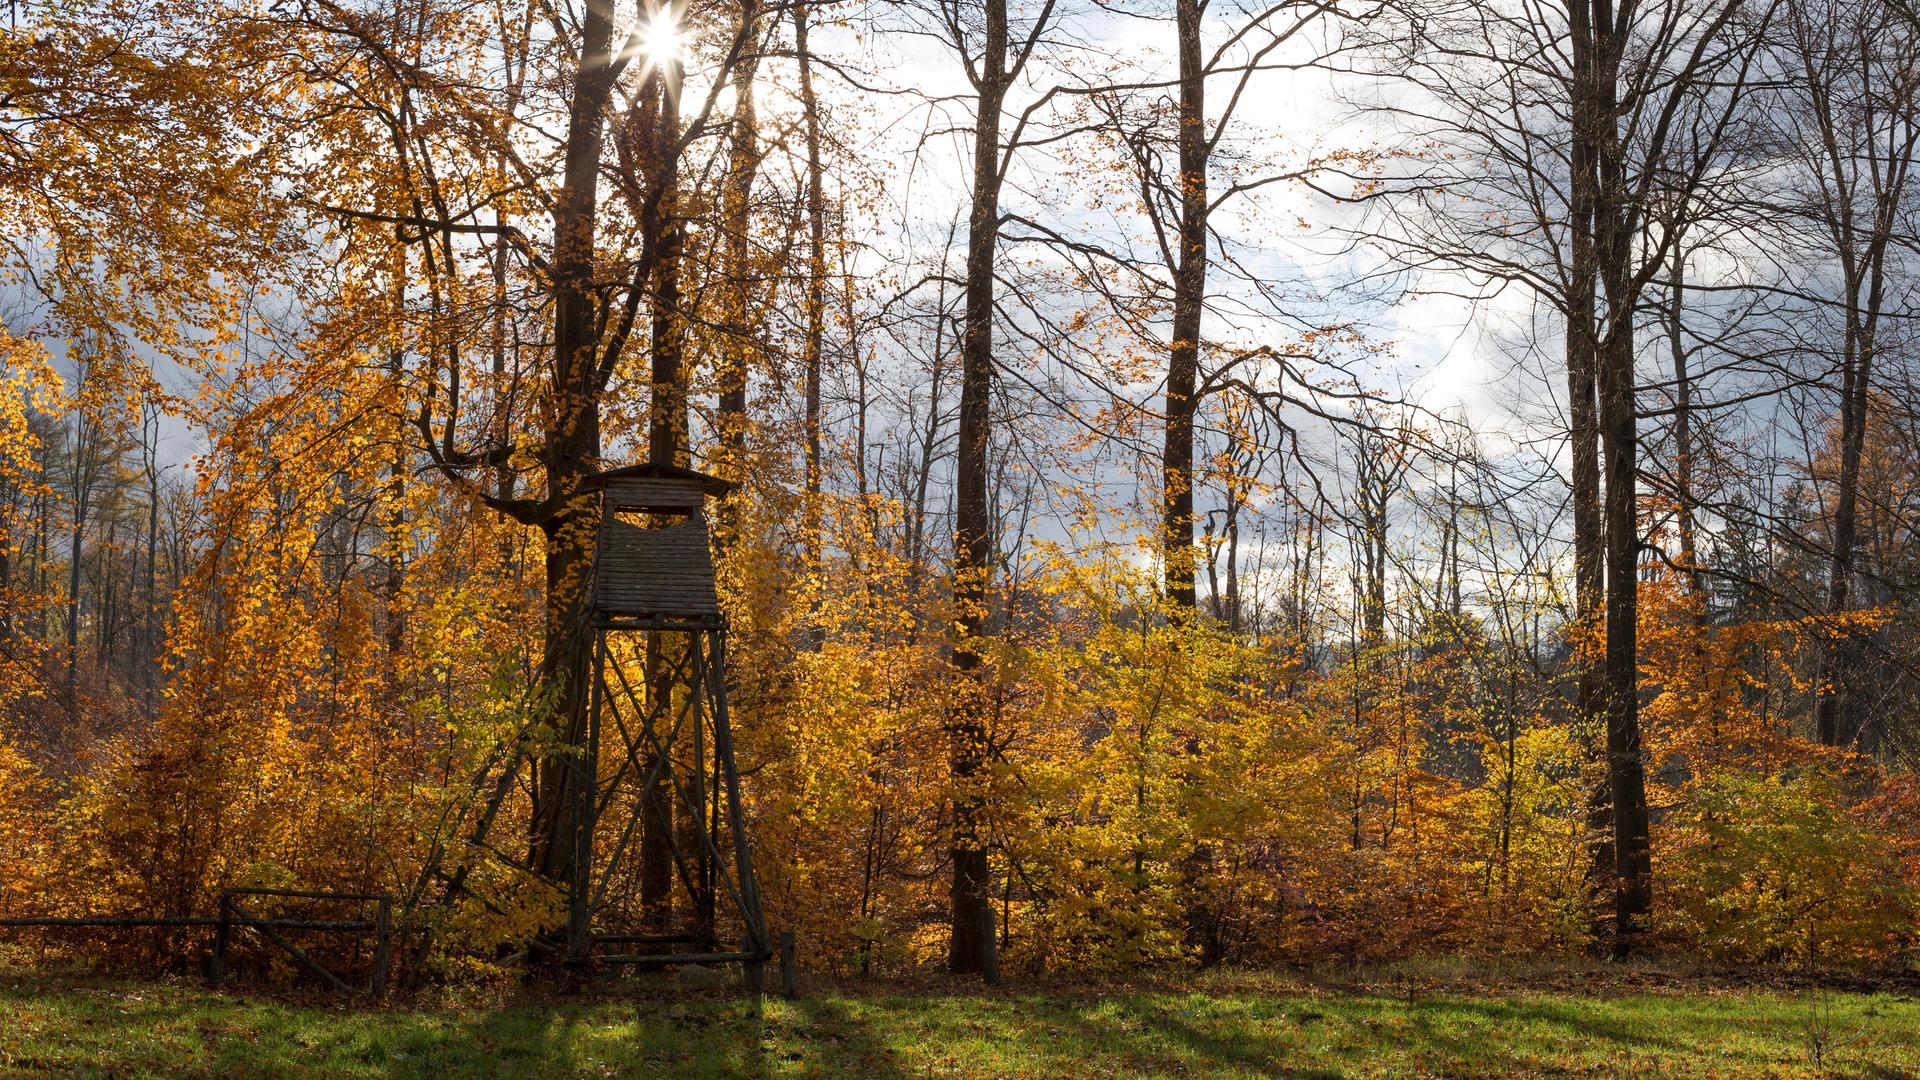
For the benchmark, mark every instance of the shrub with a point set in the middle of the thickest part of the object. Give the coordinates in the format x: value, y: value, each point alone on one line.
x: 1778, y: 869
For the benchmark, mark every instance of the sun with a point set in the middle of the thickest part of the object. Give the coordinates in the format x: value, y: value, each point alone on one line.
x: 660, y: 38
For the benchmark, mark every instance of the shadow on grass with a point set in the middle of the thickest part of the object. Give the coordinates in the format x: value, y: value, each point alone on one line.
x: 1572, y: 1019
x: 97, y: 1028
x: 706, y: 1038
x: 1747, y: 1037
x: 81, y: 1028
x: 1165, y: 1032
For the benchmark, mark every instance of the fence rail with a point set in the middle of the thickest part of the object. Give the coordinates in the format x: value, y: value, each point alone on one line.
x: 114, y: 920
x: 233, y: 915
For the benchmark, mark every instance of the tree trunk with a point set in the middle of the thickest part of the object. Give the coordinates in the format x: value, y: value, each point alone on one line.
x: 1682, y: 421
x: 82, y: 498
x: 816, y: 279
x: 1189, y: 296
x: 1177, y: 553
x: 971, y: 945
x: 1864, y: 272
x: 742, y: 166
x: 9, y: 519
x: 150, y: 611
x: 1582, y: 346
x: 396, y: 628
x: 1626, y: 782
x: 1827, y: 719
x: 1619, y: 433
x: 572, y: 448
x: 667, y: 444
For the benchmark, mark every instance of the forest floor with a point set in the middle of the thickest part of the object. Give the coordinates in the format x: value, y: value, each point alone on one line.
x: 1575, y: 1025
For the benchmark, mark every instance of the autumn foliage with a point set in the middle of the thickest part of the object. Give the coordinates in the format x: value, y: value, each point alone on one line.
x: 307, y: 245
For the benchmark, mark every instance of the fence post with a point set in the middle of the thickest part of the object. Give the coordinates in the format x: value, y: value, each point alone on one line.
x: 383, y: 945
x: 217, y: 967
x: 789, y: 984
x: 990, y: 942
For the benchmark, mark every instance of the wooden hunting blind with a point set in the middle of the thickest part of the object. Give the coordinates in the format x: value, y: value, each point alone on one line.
x: 658, y: 871
x: 659, y: 575
x: 663, y: 873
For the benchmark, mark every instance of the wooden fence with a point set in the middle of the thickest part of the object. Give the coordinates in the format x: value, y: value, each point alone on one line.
x: 235, y: 915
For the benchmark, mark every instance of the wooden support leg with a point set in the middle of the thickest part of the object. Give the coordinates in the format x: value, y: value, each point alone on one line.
x: 586, y: 796
x: 749, y: 889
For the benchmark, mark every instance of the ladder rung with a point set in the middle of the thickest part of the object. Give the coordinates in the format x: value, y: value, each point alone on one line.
x: 688, y: 958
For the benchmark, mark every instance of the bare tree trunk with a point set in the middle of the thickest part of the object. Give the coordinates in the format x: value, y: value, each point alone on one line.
x: 1233, y: 564
x: 396, y: 484
x: 84, y: 440
x: 107, y: 590
x: 971, y: 945
x: 667, y: 444
x: 1831, y: 725
x: 738, y: 343
x: 1620, y: 440
x: 1189, y: 297
x: 1375, y: 494
x: 1828, y: 721
x: 816, y: 276
x: 573, y: 444
x: 9, y: 520
x: 1682, y: 419
x: 1177, y: 479
x: 150, y: 621
x: 1583, y: 415
x: 1633, y: 868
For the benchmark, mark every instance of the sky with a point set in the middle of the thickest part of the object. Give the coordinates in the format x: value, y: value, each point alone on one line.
x: 906, y: 168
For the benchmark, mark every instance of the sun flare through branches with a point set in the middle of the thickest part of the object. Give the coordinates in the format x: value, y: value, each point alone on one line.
x: 658, y: 38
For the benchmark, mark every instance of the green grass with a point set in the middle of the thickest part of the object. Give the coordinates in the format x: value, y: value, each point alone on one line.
x: 55, y: 1025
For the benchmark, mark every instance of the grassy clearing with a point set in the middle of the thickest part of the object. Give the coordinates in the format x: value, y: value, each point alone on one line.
x: 91, y: 1027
